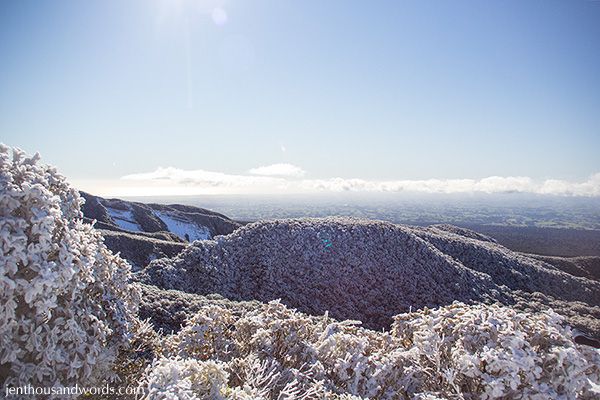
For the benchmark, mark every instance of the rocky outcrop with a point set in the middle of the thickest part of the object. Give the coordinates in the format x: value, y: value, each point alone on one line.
x: 144, y: 232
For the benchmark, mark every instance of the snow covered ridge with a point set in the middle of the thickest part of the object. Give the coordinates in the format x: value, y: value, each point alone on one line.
x: 370, y: 271
x: 66, y: 307
x: 187, y: 223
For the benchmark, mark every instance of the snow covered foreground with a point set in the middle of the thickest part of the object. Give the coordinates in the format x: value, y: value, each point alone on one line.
x: 69, y: 314
x: 458, y: 351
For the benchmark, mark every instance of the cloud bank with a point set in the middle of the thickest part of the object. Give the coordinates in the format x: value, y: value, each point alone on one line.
x: 203, y: 179
x: 287, y: 178
x: 288, y: 170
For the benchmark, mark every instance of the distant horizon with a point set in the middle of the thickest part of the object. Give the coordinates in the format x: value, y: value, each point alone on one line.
x: 507, y: 209
x: 172, y: 181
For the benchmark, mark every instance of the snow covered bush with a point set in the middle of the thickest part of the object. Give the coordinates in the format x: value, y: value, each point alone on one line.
x: 65, y: 302
x: 497, y: 352
x: 185, y: 379
x: 458, y: 351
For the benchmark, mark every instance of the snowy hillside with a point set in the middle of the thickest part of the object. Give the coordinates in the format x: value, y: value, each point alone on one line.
x: 185, y: 222
x: 183, y: 227
x: 124, y: 219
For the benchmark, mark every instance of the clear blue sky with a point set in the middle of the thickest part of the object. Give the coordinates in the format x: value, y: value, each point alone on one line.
x: 372, y: 90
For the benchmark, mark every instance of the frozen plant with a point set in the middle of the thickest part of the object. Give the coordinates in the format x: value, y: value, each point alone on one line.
x: 498, y: 352
x: 66, y: 306
x: 184, y: 379
x: 453, y: 352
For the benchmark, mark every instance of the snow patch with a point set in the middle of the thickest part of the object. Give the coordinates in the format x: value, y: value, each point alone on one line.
x: 181, y: 226
x: 124, y: 219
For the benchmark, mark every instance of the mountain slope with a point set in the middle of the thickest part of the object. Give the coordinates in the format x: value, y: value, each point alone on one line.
x: 370, y: 270
x: 587, y: 267
x: 184, y: 222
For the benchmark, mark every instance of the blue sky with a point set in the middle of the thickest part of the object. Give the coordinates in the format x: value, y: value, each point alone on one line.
x: 367, y: 92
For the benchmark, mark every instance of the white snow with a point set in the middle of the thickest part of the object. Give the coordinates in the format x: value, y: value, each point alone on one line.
x: 124, y: 219
x: 180, y: 226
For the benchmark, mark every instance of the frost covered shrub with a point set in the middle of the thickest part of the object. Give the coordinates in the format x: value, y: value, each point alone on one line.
x: 185, y: 379
x: 458, y: 351
x: 65, y: 302
x: 497, y: 352
x: 189, y: 379
x: 508, y: 268
x: 205, y: 335
x: 273, y: 353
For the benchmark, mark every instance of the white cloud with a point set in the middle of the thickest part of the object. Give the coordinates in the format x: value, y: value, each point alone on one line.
x: 200, y: 181
x: 200, y: 177
x: 280, y: 178
x: 591, y: 187
x: 288, y: 170
x: 492, y: 184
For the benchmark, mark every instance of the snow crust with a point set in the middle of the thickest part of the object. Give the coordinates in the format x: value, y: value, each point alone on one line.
x: 180, y: 226
x: 124, y: 219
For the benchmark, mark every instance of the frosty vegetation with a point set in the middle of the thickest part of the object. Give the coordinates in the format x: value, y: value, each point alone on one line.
x: 65, y: 304
x: 458, y: 351
x: 69, y: 314
x: 370, y: 270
